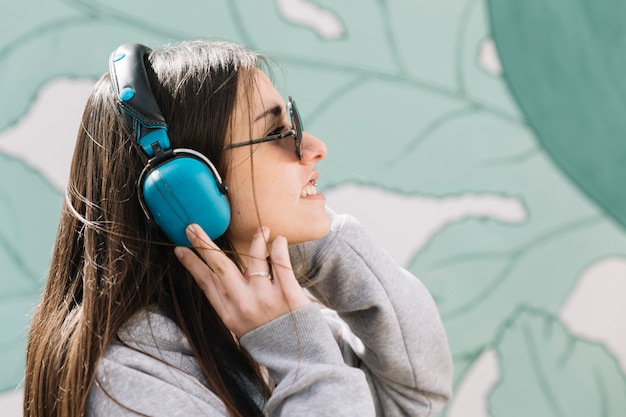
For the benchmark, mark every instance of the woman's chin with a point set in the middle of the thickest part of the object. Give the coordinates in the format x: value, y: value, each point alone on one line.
x: 316, y: 229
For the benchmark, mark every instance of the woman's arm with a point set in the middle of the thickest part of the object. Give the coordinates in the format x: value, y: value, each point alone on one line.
x: 404, y: 350
x: 304, y: 361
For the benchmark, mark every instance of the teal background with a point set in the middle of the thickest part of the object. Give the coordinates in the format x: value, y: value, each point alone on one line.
x: 509, y: 112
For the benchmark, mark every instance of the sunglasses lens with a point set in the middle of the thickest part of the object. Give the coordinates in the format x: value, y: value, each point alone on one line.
x: 297, y: 125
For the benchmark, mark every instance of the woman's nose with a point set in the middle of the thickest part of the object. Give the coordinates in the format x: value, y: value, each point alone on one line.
x: 313, y: 149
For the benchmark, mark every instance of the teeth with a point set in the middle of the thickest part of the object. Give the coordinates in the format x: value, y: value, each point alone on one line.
x: 310, y: 189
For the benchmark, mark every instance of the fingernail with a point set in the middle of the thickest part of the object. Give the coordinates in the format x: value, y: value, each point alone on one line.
x: 179, y: 252
x: 191, y: 231
x: 265, y: 231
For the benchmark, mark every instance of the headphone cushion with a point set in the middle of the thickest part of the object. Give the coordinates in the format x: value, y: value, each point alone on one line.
x: 182, y: 191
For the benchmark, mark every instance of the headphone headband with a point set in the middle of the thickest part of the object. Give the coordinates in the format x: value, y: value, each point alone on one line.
x: 128, y: 67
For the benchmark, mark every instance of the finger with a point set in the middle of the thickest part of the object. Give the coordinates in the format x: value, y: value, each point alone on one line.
x: 257, y: 263
x: 283, y: 273
x: 216, y: 260
x: 227, y: 275
x: 198, y: 238
x: 208, y: 283
x: 201, y: 273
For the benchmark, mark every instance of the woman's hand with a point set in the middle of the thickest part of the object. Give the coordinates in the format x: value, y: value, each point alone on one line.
x: 250, y: 300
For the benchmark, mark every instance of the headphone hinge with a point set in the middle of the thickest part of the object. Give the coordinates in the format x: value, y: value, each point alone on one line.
x: 159, y: 155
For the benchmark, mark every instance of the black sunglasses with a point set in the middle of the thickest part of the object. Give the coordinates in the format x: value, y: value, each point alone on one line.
x: 295, y: 131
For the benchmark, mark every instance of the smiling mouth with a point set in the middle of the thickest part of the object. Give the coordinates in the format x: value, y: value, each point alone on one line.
x: 309, y: 190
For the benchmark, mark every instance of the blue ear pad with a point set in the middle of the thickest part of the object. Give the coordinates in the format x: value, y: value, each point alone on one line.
x: 181, y: 191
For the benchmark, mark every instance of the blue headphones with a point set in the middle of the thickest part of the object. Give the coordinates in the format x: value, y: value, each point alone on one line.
x: 178, y: 186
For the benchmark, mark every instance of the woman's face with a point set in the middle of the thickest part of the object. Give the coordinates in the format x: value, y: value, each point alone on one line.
x: 268, y: 177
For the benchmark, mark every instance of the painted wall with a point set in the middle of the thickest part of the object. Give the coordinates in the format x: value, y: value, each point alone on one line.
x: 481, y: 142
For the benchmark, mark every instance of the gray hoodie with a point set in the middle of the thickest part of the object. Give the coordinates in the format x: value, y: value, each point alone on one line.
x: 375, y: 345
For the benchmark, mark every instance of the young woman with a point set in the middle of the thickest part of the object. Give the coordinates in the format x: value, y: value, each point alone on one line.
x: 293, y: 311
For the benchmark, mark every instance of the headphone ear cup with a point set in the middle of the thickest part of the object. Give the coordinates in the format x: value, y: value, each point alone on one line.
x: 185, y: 190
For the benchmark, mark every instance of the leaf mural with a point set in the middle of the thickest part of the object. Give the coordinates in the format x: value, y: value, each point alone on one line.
x: 29, y: 213
x: 403, y: 104
x: 564, y: 63
x: 549, y: 372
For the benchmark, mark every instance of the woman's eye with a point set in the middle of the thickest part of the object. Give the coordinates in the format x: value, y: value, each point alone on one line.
x: 277, y: 131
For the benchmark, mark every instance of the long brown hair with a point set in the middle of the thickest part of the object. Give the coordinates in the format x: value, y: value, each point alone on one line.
x: 109, y: 262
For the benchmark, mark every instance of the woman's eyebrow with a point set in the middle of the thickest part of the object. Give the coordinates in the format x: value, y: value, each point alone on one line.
x: 276, y: 111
